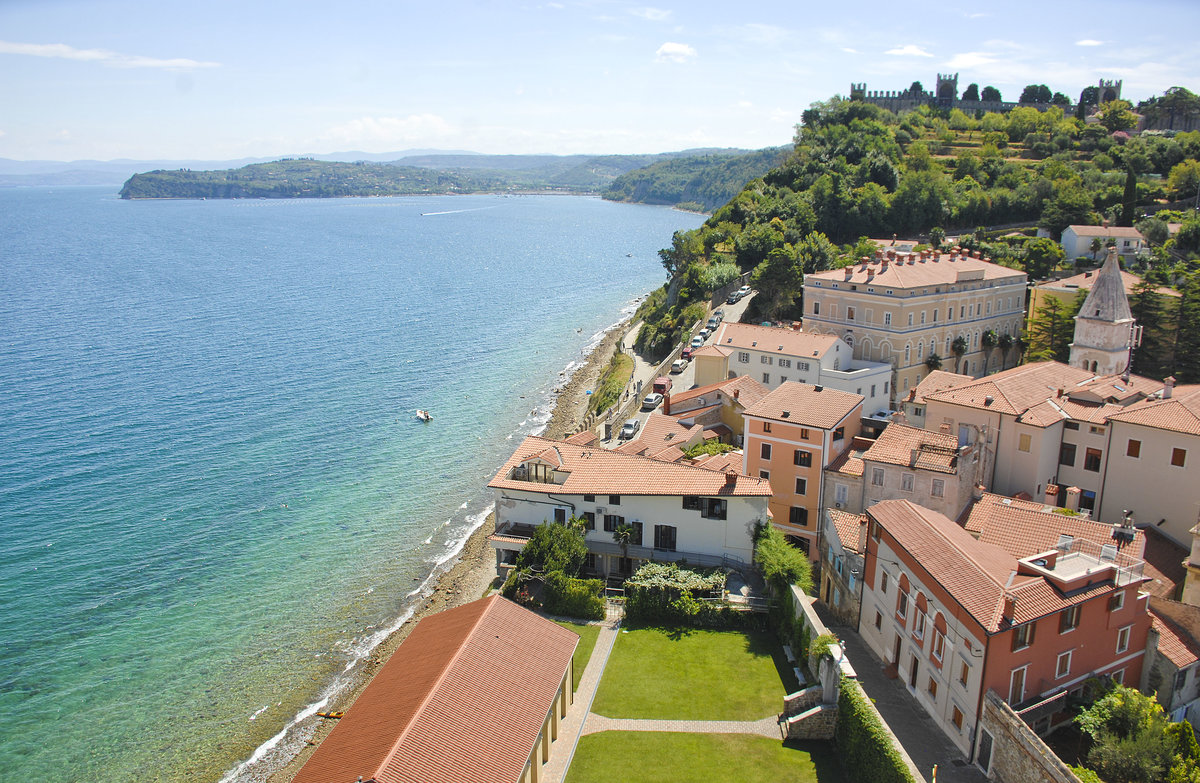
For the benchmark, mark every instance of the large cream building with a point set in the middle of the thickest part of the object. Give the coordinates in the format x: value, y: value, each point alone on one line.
x: 902, y: 308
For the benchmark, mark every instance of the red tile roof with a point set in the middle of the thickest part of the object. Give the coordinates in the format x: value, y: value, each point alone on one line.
x: 915, y: 272
x: 774, y: 340
x: 747, y: 389
x: 978, y: 575
x: 661, y: 431
x: 851, y: 530
x: 1106, y: 231
x: 806, y: 405
x: 463, y: 698
x: 850, y: 461
x: 936, y: 381
x: 1179, y: 626
x: 593, y: 471
x: 1084, y: 280
x: 1164, y: 564
x: 1025, y: 528
x: 1181, y: 413
x: 935, y: 451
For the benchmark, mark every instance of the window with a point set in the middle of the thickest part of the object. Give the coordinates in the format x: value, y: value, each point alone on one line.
x: 919, y: 626
x: 1119, y: 676
x: 589, y: 520
x: 1063, y: 667
x: 964, y: 673
x: 1016, y: 686
x: 957, y: 717
x: 902, y: 606
x: 1123, y: 638
x: 589, y: 498
x: 743, y: 357
x: 922, y: 316
x: 839, y: 433
x: 1096, y: 430
x: 887, y: 319
x: 766, y: 378
x: 939, y: 644
x: 910, y: 319
x: 877, y: 477
x: 801, y: 486
x: 1070, y: 425
x: 804, y: 433
x: 932, y: 687
x: 1133, y: 448
x: 841, y: 493
x: 691, y: 503
x: 1178, y: 457
x: 906, y: 482
x: 614, y: 500
x: 612, y: 522
x: 802, y: 366
x: 664, y: 537
x: 802, y: 458
x: 798, y: 516
x: 764, y: 451
x: 765, y: 359
x: 785, y: 362
x: 560, y: 516
x: 1022, y: 636
x: 883, y: 581
x: 1117, y: 602
x: 1023, y: 442
x: 849, y: 313
x: 816, y: 308
x: 1066, y: 454
x: 1091, y: 460
x: 939, y: 488
x: 878, y: 621
x: 636, y: 538
x: 764, y: 474
x: 766, y: 426
x: 984, y: 757
x: 935, y: 312
x: 713, y: 508
x: 1068, y: 619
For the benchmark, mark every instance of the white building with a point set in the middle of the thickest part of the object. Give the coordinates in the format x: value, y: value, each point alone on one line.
x: 1077, y: 240
x: 677, y: 511
x: 774, y: 356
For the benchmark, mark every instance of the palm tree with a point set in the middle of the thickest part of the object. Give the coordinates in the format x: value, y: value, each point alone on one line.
x: 623, y: 535
x: 1096, y: 247
x: 1005, y: 344
x: 933, y: 362
x: 988, y: 342
x: 959, y: 349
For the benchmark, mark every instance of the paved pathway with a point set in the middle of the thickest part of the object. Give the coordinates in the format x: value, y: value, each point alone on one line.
x: 766, y: 727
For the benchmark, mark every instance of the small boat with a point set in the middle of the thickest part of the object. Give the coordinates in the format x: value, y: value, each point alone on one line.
x: 330, y: 714
x: 424, y: 415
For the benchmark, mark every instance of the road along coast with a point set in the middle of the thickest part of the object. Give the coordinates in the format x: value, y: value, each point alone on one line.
x: 468, y: 577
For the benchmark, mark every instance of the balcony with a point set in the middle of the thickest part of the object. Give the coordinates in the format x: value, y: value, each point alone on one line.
x: 513, y: 537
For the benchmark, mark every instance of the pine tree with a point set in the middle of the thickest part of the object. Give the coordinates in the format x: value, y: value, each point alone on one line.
x: 1051, y: 331
x: 1156, y: 356
x: 1187, y: 343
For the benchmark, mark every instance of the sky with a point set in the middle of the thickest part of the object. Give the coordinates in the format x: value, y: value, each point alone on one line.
x: 221, y: 80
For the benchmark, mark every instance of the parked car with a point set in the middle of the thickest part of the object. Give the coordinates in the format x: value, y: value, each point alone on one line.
x: 662, y: 384
x: 704, y: 333
x: 719, y: 315
x: 687, y: 352
x: 697, y: 341
x: 744, y: 291
x: 679, y: 365
x: 652, y: 401
x: 629, y: 429
x: 733, y: 298
x: 713, y: 323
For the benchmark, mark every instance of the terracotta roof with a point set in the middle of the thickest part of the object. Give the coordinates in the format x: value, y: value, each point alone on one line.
x: 774, y: 340
x: 897, y: 443
x: 806, y: 405
x: 592, y: 471
x: 1106, y: 231
x: 1181, y: 413
x: 748, y: 390
x: 711, y: 350
x: 851, y: 529
x: 1084, y: 281
x: 1179, y: 627
x: 463, y: 698
x: 976, y: 574
x: 1165, y: 567
x: 730, y: 460
x: 937, y: 381
x: 850, y: 461
x: 913, y: 271
x: 1018, y: 390
x: 1025, y: 528
x: 660, y: 432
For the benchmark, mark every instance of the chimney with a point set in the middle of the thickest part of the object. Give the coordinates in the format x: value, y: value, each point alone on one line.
x: 730, y: 478
x: 737, y: 393
x: 818, y: 388
x: 1051, y: 497
x: 1168, y: 386
x: 1073, y: 495
x: 988, y: 400
x: 977, y: 491
x: 912, y: 456
x: 1010, y: 608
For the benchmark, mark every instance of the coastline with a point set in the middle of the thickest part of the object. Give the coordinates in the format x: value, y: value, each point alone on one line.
x: 470, y: 575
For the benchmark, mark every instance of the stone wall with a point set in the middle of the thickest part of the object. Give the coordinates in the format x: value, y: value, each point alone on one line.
x: 1019, y: 755
x: 817, y: 723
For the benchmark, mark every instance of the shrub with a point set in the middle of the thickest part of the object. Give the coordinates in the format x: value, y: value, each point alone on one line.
x: 781, y: 564
x: 665, y: 594
x: 865, y: 746
x: 572, y: 597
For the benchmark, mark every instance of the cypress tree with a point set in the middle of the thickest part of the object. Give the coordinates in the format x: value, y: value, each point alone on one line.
x: 1156, y: 356
x: 1187, y: 344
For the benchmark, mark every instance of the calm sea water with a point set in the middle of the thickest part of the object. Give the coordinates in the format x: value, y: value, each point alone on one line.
x: 214, y: 495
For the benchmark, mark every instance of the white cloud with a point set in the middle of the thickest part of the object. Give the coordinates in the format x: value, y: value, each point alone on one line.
x: 908, y: 50
x: 373, y: 132
x: 1089, y: 42
x: 111, y: 59
x: 969, y: 60
x: 761, y: 34
x: 651, y: 14
x: 848, y: 50
x: 675, y: 52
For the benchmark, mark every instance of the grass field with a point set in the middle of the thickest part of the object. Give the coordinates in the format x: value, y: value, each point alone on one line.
x: 661, y: 757
x: 692, y: 674
x: 587, y: 643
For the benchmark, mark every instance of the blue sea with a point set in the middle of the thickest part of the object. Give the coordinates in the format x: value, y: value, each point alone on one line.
x: 215, y: 497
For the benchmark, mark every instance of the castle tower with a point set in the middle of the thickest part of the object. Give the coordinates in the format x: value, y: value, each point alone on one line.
x: 858, y: 91
x: 1104, y: 323
x: 947, y: 89
x: 1109, y: 90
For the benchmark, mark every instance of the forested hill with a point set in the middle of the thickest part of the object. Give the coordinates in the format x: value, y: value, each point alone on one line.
x: 424, y: 174
x: 703, y: 182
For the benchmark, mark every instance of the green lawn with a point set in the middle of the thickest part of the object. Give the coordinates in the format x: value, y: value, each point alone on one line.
x: 693, y: 674
x: 661, y: 757
x: 587, y: 642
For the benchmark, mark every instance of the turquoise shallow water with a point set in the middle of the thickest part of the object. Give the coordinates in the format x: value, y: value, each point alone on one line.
x: 214, y: 495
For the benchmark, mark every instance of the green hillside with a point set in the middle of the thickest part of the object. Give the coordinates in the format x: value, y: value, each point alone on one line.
x: 704, y: 181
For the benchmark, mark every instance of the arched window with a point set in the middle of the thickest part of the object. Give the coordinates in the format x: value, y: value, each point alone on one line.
x: 907, y: 355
